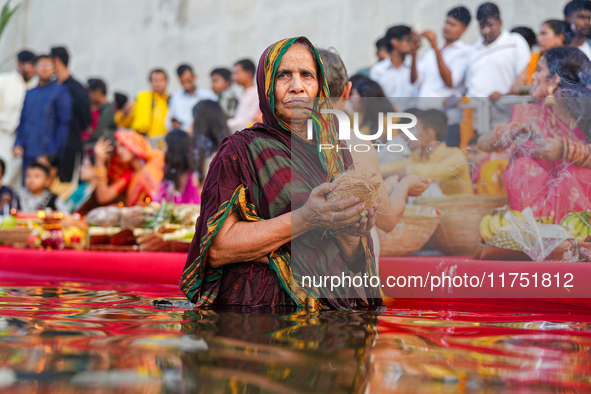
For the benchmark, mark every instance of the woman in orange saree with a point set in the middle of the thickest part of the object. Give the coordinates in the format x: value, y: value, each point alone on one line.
x: 553, y: 33
x: 132, y: 174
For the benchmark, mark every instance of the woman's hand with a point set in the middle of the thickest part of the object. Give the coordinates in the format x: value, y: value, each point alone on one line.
x: 334, y: 215
x: 102, y: 150
x: 549, y: 149
x: 524, y: 132
x: 364, y: 226
x: 416, y: 184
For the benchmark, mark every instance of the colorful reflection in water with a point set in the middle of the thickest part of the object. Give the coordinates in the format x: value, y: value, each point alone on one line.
x: 85, y: 338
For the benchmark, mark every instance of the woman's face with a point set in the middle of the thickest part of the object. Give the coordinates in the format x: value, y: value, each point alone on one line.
x: 543, y: 83
x: 547, y: 39
x: 296, y: 84
x: 123, y: 153
x: 86, y: 170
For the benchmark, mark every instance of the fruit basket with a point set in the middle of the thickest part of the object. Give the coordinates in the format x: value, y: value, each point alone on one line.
x: 162, y: 227
x: 459, y: 231
x: 411, y: 233
x: 10, y: 237
x: 578, y: 224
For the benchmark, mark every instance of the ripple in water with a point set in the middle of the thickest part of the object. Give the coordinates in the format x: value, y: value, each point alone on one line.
x: 72, y: 338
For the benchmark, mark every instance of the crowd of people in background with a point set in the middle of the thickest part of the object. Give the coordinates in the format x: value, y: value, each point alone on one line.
x: 99, y: 152
x: 65, y: 145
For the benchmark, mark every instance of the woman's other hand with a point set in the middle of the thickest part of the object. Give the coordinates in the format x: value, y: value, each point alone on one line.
x: 102, y: 150
x: 549, y: 149
x: 364, y: 226
x: 524, y: 132
x: 319, y: 213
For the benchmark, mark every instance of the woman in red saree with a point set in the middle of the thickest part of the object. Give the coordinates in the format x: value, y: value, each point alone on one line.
x: 550, y: 166
x: 132, y: 174
x: 265, y: 188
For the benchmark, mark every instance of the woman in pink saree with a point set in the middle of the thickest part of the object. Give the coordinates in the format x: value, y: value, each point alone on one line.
x: 550, y: 166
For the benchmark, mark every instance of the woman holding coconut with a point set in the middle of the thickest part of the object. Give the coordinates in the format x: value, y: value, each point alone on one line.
x: 266, y: 188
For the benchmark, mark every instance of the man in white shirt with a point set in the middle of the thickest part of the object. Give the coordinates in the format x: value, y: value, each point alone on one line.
x: 393, y: 73
x: 182, y: 102
x: 497, y: 59
x: 494, y: 64
x: 13, y: 87
x: 578, y: 14
x: 441, y: 72
x: 247, y: 111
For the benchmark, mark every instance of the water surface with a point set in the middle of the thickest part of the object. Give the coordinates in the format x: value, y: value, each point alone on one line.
x: 69, y: 337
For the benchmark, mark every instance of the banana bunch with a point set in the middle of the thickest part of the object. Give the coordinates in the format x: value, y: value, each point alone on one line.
x: 577, y: 224
x: 545, y: 220
x: 490, y: 224
x: 73, y: 235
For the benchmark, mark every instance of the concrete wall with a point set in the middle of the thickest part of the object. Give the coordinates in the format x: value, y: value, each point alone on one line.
x: 120, y: 40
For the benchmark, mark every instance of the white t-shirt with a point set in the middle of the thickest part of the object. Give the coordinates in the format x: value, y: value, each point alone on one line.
x: 246, y: 111
x: 181, y: 106
x: 586, y: 49
x: 494, y: 67
x: 395, y: 82
x: 429, y: 79
x: 12, y: 96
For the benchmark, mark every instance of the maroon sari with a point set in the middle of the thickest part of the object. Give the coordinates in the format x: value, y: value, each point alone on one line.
x: 254, y: 175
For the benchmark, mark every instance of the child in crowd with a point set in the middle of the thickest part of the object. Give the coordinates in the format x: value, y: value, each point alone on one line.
x: 180, y: 183
x: 209, y: 129
x: 221, y: 84
x: 432, y: 158
x: 6, y: 193
x: 83, y: 194
x: 62, y: 189
x: 488, y: 170
x: 36, y: 195
x: 123, y: 111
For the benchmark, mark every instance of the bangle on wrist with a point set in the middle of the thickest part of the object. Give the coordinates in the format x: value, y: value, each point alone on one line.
x: 100, y: 171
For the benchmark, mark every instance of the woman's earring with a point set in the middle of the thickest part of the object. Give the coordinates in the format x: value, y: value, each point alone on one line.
x: 550, y: 100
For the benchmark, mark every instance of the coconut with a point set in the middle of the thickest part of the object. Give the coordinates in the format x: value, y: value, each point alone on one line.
x: 356, y: 183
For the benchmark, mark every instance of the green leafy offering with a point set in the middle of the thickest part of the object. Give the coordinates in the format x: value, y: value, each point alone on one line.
x: 162, y: 215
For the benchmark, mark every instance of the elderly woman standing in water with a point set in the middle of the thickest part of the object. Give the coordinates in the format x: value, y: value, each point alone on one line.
x: 550, y: 167
x: 266, y: 188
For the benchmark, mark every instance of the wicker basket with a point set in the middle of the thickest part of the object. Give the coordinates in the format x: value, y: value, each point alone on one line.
x: 14, y: 236
x: 459, y: 230
x: 411, y: 233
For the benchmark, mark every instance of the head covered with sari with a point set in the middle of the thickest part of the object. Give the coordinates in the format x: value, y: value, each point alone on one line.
x: 137, y: 144
x: 263, y: 172
x: 146, y: 181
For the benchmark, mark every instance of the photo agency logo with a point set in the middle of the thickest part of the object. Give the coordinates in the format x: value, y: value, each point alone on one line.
x: 392, y: 125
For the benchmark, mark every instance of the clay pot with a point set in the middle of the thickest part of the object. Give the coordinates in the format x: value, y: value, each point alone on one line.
x: 564, y: 252
x: 585, y: 250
